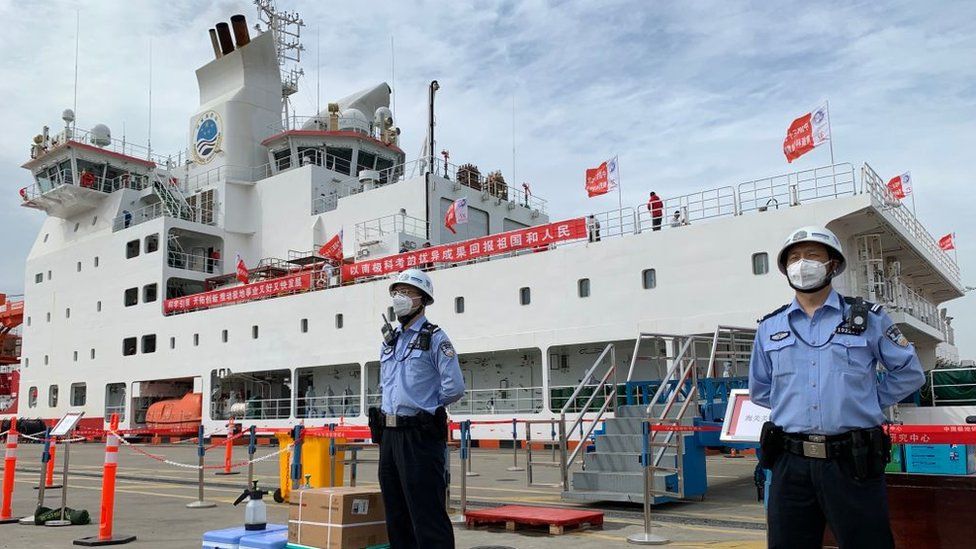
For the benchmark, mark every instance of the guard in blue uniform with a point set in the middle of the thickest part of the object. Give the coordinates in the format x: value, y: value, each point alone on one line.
x: 814, y: 364
x: 419, y: 376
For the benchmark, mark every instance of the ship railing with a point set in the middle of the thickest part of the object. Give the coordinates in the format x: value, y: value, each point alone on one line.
x: 327, y: 406
x: 194, y: 262
x: 321, y: 123
x: 611, y: 223
x: 901, y: 297
x: 795, y: 188
x: 222, y: 174
x: 374, y: 229
x: 883, y: 198
x: 255, y: 408
x: 520, y: 400
x: 120, y: 410
x: 120, y: 146
x: 559, y: 400
x: 373, y: 400
x: 155, y: 210
x: 681, y: 210
x: 488, y: 185
x: 964, y: 382
x: 325, y: 203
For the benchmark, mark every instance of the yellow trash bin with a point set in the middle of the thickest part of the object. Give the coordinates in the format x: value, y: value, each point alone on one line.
x: 316, y: 462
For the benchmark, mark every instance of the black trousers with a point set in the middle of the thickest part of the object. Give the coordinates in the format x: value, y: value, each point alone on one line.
x: 656, y: 221
x: 806, y: 493
x: 414, y: 485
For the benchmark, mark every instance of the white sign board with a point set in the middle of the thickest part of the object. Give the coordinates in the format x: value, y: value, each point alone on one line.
x: 743, y: 419
x: 66, y: 424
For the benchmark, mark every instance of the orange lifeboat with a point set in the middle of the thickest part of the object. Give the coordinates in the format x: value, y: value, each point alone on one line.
x: 179, y: 414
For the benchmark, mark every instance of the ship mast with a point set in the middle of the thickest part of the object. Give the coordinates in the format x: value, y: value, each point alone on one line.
x: 286, y: 27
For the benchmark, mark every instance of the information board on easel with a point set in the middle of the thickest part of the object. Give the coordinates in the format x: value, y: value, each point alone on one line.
x: 66, y: 424
x: 743, y: 418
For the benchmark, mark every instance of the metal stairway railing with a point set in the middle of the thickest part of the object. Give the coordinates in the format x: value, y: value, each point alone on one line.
x: 172, y: 198
x: 565, y: 462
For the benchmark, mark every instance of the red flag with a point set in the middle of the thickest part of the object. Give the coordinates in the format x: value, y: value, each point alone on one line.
x: 242, y: 273
x: 597, y: 182
x: 450, y: 220
x: 806, y: 133
x: 901, y: 185
x: 333, y: 248
x: 948, y: 242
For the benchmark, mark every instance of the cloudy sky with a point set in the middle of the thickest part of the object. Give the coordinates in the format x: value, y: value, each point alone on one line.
x: 690, y: 95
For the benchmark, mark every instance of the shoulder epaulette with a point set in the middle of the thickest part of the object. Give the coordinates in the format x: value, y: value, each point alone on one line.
x: 774, y: 313
x: 873, y: 307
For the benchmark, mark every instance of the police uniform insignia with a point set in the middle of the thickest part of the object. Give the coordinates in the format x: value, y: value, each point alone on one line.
x: 895, y: 335
x: 779, y: 336
x: 387, y: 349
x: 448, y: 350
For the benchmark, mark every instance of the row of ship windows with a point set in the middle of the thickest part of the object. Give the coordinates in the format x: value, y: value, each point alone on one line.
x: 77, y: 226
x: 131, y: 250
x: 74, y: 354
x: 79, y: 395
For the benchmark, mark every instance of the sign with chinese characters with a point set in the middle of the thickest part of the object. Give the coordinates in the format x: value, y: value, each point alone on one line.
x: 743, y: 419
x: 466, y: 250
x: 238, y: 294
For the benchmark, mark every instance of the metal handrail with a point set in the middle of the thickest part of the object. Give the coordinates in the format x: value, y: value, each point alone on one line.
x: 566, y: 462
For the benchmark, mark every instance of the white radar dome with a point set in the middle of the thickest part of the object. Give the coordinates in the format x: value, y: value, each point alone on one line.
x: 101, y: 135
x: 68, y: 115
x: 354, y: 120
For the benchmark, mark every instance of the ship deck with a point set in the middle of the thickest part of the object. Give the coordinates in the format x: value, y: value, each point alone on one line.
x: 151, y: 498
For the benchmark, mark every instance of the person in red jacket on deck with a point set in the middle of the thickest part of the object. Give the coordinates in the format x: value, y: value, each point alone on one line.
x: 656, y: 206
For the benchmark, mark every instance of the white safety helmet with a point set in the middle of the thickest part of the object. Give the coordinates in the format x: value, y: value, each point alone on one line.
x: 418, y: 279
x: 812, y: 233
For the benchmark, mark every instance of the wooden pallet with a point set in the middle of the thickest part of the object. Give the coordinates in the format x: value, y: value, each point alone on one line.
x: 557, y: 519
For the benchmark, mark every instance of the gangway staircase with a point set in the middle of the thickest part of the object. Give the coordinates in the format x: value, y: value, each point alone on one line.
x: 681, y: 366
x: 167, y: 189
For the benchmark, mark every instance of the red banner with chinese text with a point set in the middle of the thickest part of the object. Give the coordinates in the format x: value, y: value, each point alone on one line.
x: 239, y: 294
x: 466, y: 250
x: 597, y: 181
x: 799, y: 138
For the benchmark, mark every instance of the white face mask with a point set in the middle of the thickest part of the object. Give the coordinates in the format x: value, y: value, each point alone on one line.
x: 402, y: 305
x: 805, y: 274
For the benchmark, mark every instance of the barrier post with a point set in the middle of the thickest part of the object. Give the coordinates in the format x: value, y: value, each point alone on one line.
x: 646, y: 537
x: 528, y: 454
x: 552, y: 436
x: 228, y: 450
x: 252, y: 447
x: 332, y: 456
x: 463, y: 455
x: 515, y: 465
x: 46, y: 455
x: 296, y: 457
x: 201, y: 452
x: 105, y: 536
x: 9, y: 466
x: 470, y: 469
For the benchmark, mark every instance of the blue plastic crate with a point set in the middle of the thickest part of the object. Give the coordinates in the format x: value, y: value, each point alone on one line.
x: 276, y: 539
x: 230, y: 538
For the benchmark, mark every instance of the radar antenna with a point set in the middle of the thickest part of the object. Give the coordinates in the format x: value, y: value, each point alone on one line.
x: 286, y: 27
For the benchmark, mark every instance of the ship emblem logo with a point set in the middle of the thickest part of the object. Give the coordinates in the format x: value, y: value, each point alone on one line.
x: 207, y: 136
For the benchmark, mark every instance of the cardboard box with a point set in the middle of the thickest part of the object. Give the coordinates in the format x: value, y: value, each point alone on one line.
x: 336, y: 518
x: 940, y: 459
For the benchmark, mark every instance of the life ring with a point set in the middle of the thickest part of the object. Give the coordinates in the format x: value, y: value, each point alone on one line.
x: 87, y: 180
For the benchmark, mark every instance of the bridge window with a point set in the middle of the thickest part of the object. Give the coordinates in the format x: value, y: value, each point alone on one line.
x: 338, y: 159
x: 79, y: 394
x: 760, y: 263
x: 282, y: 159
x: 583, y: 287
x: 152, y: 243
x: 131, y: 249
x: 52, y: 396
x: 365, y: 160
x: 129, y: 346
x: 649, y: 278
x: 525, y: 296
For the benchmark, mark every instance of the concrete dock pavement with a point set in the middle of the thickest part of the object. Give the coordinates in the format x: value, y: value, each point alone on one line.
x: 151, y: 497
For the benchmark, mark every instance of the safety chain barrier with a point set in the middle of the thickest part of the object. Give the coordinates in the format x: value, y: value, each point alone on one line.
x: 163, y: 459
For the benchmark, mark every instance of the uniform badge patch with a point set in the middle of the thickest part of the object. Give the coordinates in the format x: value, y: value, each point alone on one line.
x: 448, y: 350
x: 895, y: 335
x: 387, y: 349
x: 779, y: 336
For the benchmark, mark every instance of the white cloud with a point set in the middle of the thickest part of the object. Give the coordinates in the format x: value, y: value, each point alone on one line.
x: 689, y: 95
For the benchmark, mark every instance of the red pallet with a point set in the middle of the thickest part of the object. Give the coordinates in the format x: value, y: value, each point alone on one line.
x: 555, y: 518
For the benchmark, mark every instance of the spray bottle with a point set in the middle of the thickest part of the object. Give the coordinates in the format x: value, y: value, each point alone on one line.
x: 256, y: 512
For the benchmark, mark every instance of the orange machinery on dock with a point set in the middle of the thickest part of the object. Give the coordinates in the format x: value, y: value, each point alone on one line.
x: 11, y: 317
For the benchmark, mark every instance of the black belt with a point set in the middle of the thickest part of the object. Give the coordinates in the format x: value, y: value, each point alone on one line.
x: 406, y: 422
x: 818, y: 446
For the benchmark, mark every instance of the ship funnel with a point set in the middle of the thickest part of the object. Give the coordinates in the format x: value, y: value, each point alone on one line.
x: 240, y: 30
x: 216, y: 44
x: 226, y: 42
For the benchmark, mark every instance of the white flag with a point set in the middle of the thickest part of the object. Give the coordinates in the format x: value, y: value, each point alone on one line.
x: 906, y: 183
x: 820, y: 123
x: 613, y: 174
x: 461, y: 210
